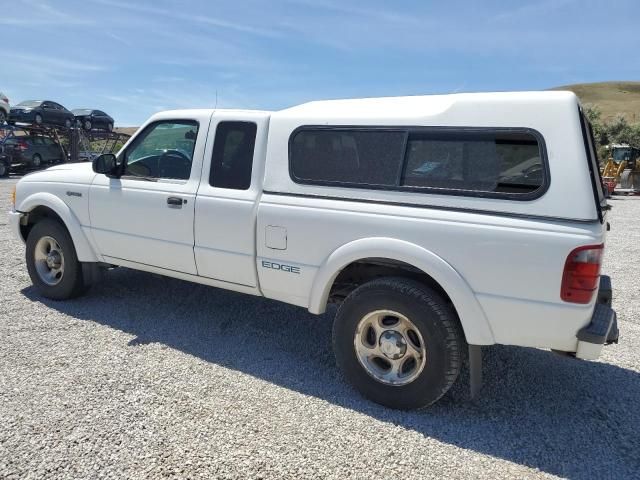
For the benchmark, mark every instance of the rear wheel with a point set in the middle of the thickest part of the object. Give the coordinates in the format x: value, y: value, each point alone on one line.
x: 38, y: 119
x: 68, y: 122
x: 87, y: 125
x: 3, y: 117
x: 110, y: 127
x: 36, y: 161
x: 398, y: 342
x: 52, y: 261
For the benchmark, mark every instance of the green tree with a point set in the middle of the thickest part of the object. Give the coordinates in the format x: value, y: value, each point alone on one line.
x: 600, y: 129
x: 634, y: 135
x: 619, y: 131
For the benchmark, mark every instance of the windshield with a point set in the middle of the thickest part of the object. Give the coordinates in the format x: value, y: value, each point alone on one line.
x: 30, y: 103
x: 81, y: 111
x: 621, y: 154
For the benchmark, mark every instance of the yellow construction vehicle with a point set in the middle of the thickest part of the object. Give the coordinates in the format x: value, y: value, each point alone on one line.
x: 621, y: 173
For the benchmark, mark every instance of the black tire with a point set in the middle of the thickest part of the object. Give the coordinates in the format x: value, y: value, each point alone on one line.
x: 72, y: 282
x: 436, y: 322
x: 38, y: 119
x: 87, y: 125
x: 109, y: 127
x: 3, y: 117
x: 5, y: 168
x: 36, y: 161
x: 68, y: 123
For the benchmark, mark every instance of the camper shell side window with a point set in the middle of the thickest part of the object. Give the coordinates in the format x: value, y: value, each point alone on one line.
x: 506, y: 163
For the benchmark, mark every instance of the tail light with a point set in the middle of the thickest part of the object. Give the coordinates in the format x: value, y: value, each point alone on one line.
x: 22, y: 146
x: 581, y: 274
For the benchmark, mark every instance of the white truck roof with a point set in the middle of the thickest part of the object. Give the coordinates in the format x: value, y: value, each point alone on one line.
x: 405, y: 107
x: 416, y: 106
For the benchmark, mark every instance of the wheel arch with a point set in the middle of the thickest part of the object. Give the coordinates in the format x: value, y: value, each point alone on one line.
x: 46, y: 205
x: 474, y: 322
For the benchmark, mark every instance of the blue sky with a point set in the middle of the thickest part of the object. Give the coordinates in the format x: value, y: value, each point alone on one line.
x: 133, y: 58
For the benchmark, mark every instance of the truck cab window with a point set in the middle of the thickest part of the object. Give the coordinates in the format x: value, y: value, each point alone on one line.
x: 232, y: 158
x: 164, y: 150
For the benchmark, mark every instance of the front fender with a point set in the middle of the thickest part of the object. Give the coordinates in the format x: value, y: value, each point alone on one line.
x: 84, y: 250
x: 474, y: 322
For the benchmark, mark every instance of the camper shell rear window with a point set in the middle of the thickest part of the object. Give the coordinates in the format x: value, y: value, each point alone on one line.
x: 487, y: 162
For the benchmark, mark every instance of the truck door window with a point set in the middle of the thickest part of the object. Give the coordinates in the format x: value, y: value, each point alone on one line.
x: 232, y: 158
x: 163, y: 150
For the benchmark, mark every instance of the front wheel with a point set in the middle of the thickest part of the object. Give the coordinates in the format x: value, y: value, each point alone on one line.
x: 398, y: 342
x: 52, y: 262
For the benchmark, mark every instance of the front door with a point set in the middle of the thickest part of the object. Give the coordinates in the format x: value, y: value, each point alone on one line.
x: 147, y: 215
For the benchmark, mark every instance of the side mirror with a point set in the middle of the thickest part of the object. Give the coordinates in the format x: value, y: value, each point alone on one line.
x: 106, y: 164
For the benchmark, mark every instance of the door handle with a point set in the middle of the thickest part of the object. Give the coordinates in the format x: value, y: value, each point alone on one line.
x: 175, y: 202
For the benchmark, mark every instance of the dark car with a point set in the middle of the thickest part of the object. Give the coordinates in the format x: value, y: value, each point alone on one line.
x: 93, y: 119
x: 31, y: 151
x: 41, y: 112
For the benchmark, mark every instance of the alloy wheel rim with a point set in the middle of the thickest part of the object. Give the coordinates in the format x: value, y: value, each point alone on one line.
x: 390, y: 347
x: 49, y: 260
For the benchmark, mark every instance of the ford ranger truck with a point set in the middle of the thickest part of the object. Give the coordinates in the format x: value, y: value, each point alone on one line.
x: 437, y: 224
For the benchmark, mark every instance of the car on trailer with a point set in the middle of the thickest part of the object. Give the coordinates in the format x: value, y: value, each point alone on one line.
x: 31, y: 148
x: 90, y: 119
x: 41, y: 112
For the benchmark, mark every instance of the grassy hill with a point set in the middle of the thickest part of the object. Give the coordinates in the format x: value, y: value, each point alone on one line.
x: 127, y: 130
x: 613, y: 98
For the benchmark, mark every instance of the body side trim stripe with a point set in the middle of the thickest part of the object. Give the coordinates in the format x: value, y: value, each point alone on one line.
x: 435, y: 207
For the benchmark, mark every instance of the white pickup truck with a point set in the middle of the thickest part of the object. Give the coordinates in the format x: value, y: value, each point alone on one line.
x: 439, y: 224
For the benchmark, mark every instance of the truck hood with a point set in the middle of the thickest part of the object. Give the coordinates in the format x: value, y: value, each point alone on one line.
x: 65, y: 173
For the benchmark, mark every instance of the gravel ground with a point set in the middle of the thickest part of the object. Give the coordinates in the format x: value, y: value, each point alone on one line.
x: 150, y: 377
